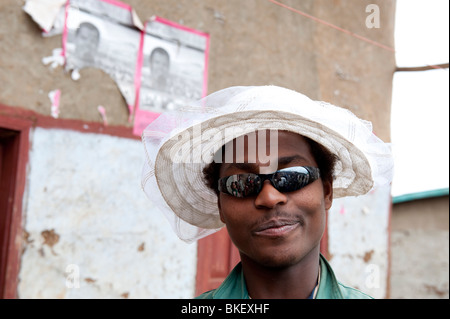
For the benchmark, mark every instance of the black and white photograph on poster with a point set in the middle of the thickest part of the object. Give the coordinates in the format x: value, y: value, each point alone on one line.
x: 174, y: 66
x: 101, y: 34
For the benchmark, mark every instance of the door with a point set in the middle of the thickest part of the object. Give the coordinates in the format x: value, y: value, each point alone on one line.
x: 14, y: 144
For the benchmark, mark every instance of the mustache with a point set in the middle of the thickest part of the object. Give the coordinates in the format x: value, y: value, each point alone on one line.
x: 278, y: 217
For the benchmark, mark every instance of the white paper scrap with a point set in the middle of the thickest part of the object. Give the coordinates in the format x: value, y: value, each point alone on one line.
x: 44, y: 12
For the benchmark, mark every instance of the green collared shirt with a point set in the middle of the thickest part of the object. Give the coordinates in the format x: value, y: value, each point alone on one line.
x: 234, y: 286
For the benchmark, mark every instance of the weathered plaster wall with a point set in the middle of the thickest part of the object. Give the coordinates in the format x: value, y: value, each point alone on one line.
x: 358, y: 230
x: 351, y: 72
x: 87, y: 222
x: 253, y: 42
x: 420, y: 249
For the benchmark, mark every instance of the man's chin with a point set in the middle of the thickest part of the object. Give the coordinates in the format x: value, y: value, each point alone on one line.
x: 278, y: 262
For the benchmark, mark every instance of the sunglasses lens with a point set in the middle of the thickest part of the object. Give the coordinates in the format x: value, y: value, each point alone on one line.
x: 291, y: 180
x: 243, y: 185
x: 285, y: 180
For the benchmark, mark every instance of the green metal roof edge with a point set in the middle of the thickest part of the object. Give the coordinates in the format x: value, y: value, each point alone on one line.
x: 420, y: 195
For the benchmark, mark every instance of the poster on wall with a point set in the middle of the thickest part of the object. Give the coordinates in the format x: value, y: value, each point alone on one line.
x: 158, y: 66
x: 174, y: 68
x: 103, y: 34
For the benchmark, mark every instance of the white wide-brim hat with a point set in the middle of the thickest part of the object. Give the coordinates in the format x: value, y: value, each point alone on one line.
x: 179, y: 144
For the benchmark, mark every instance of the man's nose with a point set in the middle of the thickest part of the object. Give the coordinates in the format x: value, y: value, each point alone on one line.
x: 269, y: 196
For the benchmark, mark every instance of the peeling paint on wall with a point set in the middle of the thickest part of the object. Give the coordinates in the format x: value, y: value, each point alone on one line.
x: 90, y: 230
x: 358, y: 244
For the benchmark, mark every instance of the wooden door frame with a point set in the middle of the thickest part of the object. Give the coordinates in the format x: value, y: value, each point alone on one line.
x: 11, y: 242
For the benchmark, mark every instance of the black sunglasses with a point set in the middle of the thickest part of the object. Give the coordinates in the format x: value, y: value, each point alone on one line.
x: 284, y: 180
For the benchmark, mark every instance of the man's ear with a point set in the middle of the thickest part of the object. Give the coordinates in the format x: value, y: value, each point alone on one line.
x: 328, y: 194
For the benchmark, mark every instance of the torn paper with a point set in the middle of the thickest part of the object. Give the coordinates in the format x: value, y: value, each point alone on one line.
x: 44, y: 12
x: 54, y: 97
x: 58, y: 24
x: 75, y: 75
x: 159, y: 66
x: 102, y: 34
x: 55, y: 60
x: 101, y: 109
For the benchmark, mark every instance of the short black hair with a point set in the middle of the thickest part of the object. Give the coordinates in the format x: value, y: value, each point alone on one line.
x: 326, y: 162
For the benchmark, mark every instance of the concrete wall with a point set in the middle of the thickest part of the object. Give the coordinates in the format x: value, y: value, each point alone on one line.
x: 420, y: 249
x: 85, y: 208
x: 253, y: 42
x: 358, y: 230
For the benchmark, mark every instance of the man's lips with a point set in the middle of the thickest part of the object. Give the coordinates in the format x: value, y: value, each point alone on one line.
x: 276, y: 227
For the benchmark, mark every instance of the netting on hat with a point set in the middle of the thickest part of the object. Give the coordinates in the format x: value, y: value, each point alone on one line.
x: 178, y: 145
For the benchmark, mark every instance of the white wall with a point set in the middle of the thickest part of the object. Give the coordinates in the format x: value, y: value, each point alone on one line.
x: 358, y: 230
x: 90, y: 231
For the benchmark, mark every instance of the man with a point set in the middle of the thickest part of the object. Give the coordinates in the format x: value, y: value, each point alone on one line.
x: 155, y: 91
x: 160, y: 69
x: 289, y: 157
x: 87, y: 39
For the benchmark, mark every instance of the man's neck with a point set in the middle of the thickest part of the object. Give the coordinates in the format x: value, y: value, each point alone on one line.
x: 296, y: 281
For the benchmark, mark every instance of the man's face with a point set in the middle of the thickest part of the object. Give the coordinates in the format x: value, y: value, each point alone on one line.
x: 253, y: 223
x: 159, y: 64
x: 86, y: 41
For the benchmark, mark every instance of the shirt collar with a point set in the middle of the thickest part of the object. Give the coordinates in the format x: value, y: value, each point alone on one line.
x: 234, y: 287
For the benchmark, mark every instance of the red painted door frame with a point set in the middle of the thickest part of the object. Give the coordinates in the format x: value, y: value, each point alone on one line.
x: 15, y: 144
x: 216, y: 257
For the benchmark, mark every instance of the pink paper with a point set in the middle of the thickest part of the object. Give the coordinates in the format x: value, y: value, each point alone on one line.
x: 54, y: 97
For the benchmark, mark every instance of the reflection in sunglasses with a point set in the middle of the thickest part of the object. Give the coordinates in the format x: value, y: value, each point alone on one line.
x: 285, y: 180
